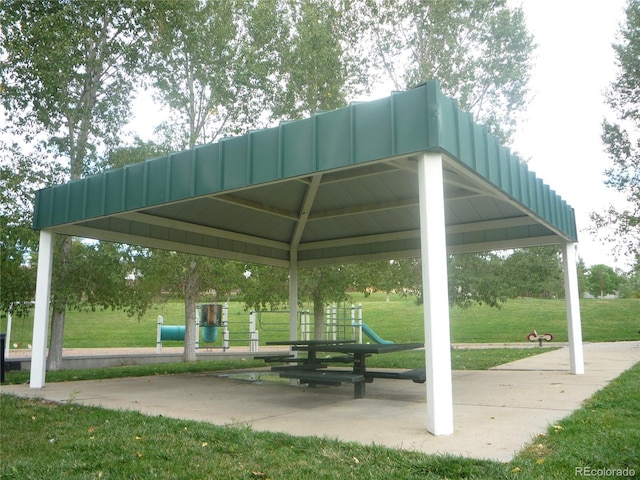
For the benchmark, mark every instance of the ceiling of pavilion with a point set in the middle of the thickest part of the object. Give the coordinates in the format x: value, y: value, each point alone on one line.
x: 338, y: 187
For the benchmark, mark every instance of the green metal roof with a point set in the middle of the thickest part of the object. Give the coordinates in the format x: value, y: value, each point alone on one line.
x: 339, y: 186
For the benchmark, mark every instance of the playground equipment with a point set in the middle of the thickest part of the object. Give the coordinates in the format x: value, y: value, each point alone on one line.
x: 373, y: 335
x: 210, y: 318
x: 341, y: 323
x: 8, y: 335
x: 534, y: 337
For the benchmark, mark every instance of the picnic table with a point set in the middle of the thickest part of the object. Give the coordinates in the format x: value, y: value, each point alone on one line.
x: 314, y: 369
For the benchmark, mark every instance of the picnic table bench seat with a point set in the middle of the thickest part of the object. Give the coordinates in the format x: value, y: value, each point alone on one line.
x: 301, y: 366
x: 276, y: 358
x: 327, y: 377
x: 417, y: 375
x: 286, y: 358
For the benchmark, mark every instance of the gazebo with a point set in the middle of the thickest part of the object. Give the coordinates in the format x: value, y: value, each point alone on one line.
x: 409, y: 175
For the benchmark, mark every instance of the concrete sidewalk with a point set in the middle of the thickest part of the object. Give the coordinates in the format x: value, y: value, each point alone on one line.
x: 496, y: 412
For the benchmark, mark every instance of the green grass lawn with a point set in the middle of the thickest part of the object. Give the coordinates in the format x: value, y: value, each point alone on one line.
x: 399, y: 320
x: 41, y: 439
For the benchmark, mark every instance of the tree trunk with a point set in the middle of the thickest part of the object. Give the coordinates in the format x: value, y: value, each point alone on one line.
x: 54, y: 357
x: 190, y: 295
x: 318, y: 320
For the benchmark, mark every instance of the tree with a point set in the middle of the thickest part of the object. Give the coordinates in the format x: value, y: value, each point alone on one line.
x: 534, y: 272
x: 629, y: 286
x: 264, y: 287
x: 480, y: 50
x: 21, y: 174
x: 68, y: 81
x: 198, y: 70
x: 320, y: 59
x: 475, y: 278
x: 400, y: 276
x: 622, y: 141
x: 602, y: 280
x: 323, y: 285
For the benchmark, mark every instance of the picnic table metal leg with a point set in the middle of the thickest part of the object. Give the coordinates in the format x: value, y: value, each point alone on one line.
x: 359, y: 367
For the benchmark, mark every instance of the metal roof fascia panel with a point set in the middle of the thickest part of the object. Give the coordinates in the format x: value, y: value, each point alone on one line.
x: 180, y: 175
x: 374, y: 129
x: 297, y: 141
x: 155, y: 180
x: 234, y: 155
x: 334, y: 138
x: 134, y: 186
x: 416, y: 119
x: 207, y: 169
x: 264, y: 154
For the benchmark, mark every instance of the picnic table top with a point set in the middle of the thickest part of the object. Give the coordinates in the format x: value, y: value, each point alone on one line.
x: 363, y: 347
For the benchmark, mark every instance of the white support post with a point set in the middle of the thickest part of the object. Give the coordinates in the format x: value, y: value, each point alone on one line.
x: 198, y: 319
x: 306, y: 316
x: 572, y: 299
x: 353, y: 322
x: 8, y: 335
x: 293, y: 295
x: 159, y: 334
x: 253, y: 333
x: 225, y: 327
x: 435, y: 291
x: 334, y: 323
x: 359, y: 323
x: 41, y: 313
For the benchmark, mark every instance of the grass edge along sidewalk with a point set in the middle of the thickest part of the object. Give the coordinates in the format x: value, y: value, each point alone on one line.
x: 40, y: 439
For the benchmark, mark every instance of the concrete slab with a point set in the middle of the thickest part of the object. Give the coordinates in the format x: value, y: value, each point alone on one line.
x: 496, y: 412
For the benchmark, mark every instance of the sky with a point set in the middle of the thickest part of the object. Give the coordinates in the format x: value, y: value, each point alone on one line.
x: 559, y: 134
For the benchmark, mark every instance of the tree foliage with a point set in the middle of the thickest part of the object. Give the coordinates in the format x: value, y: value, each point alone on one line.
x: 69, y: 71
x: 602, y: 280
x: 198, y: 70
x: 21, y: 174
x: 621, y: 138
x: 534, y: 272
x: 320, y: 58
x: 480, y: 50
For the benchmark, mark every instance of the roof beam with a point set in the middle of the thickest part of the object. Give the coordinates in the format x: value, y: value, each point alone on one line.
x: 260, y: 207
x: 506, y: 244
x: 150, y: 242
x: 523, y: 221
x: 370, y: 208
x: 157, y: 221
x: 305, y: 210
x: 347, y: 241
